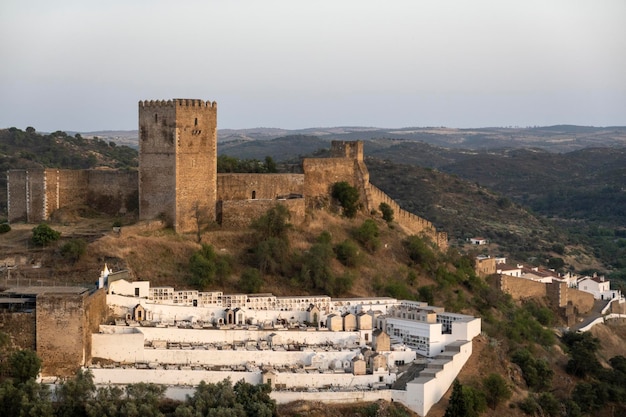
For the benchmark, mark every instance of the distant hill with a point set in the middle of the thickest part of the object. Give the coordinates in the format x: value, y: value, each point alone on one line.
x: 560, y: 138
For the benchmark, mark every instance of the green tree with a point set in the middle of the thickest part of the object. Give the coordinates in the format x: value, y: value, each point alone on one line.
x: 74, y: 249
x: 420, y: 252
x: 24, y: 365
x: 347, y: 196
x: 251, y: 280
x: 4, y: 228
x: 387, y: 212
x: 496, y: 390
x: 44, y: 234
x: 274, y: 223
x: 367, y: 235
x: 270, y: 165
x: 74, y: 394
x: 465, y: 401
x: 206, y: 266
x: 347, y: 253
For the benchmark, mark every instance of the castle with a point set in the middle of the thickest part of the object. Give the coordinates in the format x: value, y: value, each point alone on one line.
x: 178, y: 181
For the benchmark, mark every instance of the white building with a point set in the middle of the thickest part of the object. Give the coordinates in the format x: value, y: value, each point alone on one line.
x: 599, y: 287
x: 183, y: 337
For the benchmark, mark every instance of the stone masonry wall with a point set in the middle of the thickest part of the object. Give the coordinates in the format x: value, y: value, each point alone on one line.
x: 95, y: 314
x: 240, y: 213
x: 21, y: 328
x: 60, y: 333
x: 321, y: 173
x: 196, y: 161
x: 521, y: 288
x: 582, y: 300
x: 259, y: 186
x: 113, y: 191
x: 157, y: 160
x: 410, y: 221
x: 17, y: 195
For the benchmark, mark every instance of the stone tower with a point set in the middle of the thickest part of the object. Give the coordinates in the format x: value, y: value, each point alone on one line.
x: 178, y: 162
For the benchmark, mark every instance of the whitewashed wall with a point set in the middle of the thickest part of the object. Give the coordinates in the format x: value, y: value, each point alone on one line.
x: 424, y: 392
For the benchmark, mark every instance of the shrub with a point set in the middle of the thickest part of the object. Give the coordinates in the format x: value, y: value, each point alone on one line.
x: 4, y: 228
x: 387, y: 212
x: 347, y: 253
x: 74, y: 249
x: 348, y: 197
x: 251, y: 281
x: 496, y: 390
x: 274, y: 223
x: 44, y: 234
x: 206, y: 266
x: 367, y: 235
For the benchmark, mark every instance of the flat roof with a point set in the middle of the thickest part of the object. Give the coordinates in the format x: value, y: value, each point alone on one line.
x: 44, y: 290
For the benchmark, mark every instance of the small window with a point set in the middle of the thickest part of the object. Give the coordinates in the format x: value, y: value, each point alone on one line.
x: 136, y: 291
x: 195, y: 123
x: 156, y: 117
x: 253, y: 195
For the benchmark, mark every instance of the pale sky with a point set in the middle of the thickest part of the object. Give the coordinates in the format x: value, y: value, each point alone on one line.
x: 83, y: 65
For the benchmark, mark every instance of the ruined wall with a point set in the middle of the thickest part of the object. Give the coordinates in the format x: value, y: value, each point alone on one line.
x: 95, y: 314
x: 20, y: 327
x: 346, y: 149
x: 321, y: 173
x: 60, y: 332
x: 521, y: 288
x: 260, y: 186
x: 240, y: 213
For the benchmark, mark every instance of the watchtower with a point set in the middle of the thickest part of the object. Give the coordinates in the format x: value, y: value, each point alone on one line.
x: 178, y: 161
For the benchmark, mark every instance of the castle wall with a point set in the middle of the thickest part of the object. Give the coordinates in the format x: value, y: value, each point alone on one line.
x: 157, y: 160
x: 258, y: 186
x: 521, y: 288
x: 178, y: 161
x: 95, y: 313
x: 21, y: 327
x: 67, y: 188
x: 196, y: 163
x: 410, y: 221
x: 113, y: 191
x: 321, y: 173
x: 581, y: 299
x: 346, y: 149
x: 485, y: 267
x: 240, y: 213
x: 60, y: 333
x: 17, y: 191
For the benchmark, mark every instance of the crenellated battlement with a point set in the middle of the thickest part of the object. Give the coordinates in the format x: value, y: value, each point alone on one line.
x: 178, y: 102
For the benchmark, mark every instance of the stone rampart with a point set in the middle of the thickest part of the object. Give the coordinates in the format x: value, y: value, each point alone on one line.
x: 35, y: 194
x: 21, y: 328
x: 17, y: 192
x: 521, y: 288
x: 240, y: 213
x: 413, y: 223
x: 258, y: 186
x: 64, y: 324
x: 582, y: 300
x: 113, y: 191
x: 321, y: 173
x: 60, y: 330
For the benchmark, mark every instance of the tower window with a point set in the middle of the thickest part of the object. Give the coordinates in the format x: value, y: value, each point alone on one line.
x: 156, y: 117
x: 195, y: 122
x: 253, y: 195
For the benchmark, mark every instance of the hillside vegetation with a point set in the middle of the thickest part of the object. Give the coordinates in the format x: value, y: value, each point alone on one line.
x: 546, y: 371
